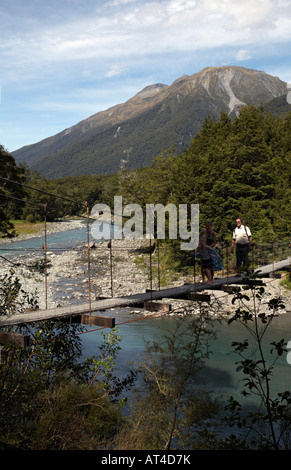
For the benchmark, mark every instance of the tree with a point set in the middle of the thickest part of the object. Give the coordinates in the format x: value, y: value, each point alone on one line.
x: 239, y: 167
x: 168, y: 409
x: 49, y: 398
x: 11, y: 195
x: 71, y: 416
x: 13, y: 299
x: 269, y: 426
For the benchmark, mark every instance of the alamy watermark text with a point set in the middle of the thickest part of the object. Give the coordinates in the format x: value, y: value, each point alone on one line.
x: 155, y: 222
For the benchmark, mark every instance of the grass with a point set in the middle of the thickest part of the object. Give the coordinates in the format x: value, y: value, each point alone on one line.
x: 22, y: 227
x: 286, y: 281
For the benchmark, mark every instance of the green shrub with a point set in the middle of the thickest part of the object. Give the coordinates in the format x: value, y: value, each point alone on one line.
x: 30, y: 219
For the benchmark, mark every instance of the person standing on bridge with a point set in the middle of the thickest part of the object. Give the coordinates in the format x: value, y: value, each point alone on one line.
x: 206, y: 263
x: 242, y: 238
x: 210, y: 238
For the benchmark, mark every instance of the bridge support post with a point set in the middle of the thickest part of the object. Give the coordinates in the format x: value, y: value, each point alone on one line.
x: 197, y: 296
x: 157, y: 306
x: 108, y: 322
x: 19, y: 340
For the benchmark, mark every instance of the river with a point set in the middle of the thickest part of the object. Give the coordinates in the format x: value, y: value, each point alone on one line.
x: 219, y: 374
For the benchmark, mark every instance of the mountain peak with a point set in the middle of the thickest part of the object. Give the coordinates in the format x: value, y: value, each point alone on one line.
x: 149, y: 91
x: 156, y: 118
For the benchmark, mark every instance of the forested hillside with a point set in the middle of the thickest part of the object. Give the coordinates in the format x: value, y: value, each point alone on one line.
x: 239, y: 167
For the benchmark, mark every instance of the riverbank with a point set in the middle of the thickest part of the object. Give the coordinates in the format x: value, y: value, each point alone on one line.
x: 51, y: 227
x: 124, y: 269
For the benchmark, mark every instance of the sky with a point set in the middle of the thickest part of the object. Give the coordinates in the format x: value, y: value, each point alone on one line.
x: 62, y: 61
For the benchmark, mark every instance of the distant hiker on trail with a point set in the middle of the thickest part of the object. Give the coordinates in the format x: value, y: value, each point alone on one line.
x: 242, y: 238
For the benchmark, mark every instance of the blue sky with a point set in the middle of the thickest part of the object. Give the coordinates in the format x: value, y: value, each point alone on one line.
x: 63, y: 60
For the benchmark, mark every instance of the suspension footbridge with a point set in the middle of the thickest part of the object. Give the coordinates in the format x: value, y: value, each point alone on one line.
x: 89, y: 312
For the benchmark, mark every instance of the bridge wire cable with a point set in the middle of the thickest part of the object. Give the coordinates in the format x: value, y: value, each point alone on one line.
x: 22, y: 200
x: 19, y: 263
x: 42, y: 205
x: 100, y: 328
x: 50, y: 194
x: 35, y: 344
x: 55, y: 195
x: 44, y: 192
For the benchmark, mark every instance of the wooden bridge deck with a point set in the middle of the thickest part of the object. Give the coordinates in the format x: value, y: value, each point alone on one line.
x: 132, y: 300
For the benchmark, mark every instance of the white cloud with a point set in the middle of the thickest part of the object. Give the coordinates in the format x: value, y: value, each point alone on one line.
x: 177, y: 6
x: 140, y: 28
x: 72, y: 45
x: 113, y: 71
x: 243, y: 54
x: 116, y: 3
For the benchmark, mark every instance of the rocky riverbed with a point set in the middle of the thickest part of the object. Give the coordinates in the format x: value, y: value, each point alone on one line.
x: 121, y: 270
x: 114, y: 271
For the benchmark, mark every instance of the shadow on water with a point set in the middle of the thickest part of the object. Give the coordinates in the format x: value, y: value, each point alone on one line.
x: 213, y: 377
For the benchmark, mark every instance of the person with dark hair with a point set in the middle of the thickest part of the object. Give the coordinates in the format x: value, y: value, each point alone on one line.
x: 242, y: 239
x: 209, y: 234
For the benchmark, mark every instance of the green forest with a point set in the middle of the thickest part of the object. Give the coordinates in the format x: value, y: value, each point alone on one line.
x: 239, y: 167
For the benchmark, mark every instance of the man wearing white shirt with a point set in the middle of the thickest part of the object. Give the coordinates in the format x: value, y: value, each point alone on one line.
x: 242, y: 238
